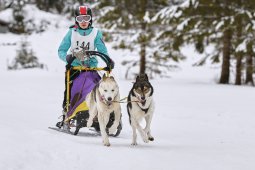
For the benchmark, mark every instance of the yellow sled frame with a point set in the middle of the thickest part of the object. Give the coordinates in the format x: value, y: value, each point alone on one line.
x: 83, y: 105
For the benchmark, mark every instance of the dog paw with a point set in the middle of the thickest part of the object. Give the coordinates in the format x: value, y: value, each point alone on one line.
x: 107, y: 143
x: 145, y: 137
x: 151, y: 138
x: 134, y: 143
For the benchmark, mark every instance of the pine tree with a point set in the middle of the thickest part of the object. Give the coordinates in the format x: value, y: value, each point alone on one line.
x: 18, y: 25
x: 51, y: 5
x: 239, y: 54
x: 131, y: 21
x: 4, y: 4
x: 249, y: 64
x: 222, y: 23
x: 25, y: 58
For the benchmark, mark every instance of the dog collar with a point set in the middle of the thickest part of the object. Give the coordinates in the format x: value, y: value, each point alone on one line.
x: 145, y: 110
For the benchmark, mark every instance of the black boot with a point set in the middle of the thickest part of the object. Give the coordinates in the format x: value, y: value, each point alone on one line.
x: 61, y: 123
x: 81, y: 120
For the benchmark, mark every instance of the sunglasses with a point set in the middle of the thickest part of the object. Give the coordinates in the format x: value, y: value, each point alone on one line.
x: 83, y: 18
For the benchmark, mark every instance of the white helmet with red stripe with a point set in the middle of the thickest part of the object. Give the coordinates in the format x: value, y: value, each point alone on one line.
x: 83, y: 10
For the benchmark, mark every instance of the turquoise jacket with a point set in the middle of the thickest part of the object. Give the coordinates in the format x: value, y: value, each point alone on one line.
x: 66, y: 44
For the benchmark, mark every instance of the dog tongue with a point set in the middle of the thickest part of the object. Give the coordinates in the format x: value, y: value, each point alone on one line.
x: 143, y: 102
x: 108, y: 103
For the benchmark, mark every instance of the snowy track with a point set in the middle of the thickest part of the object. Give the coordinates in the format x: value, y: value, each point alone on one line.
x: 196, y: 126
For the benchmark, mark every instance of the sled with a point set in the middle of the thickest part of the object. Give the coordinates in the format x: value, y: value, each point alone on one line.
x: 76, y: 91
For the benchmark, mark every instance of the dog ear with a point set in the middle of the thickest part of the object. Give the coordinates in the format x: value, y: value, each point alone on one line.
x: 137, y: 78
x: 152, y: 90
x: 104, y: 77
x: 111, y: 77
x: 146, y: 76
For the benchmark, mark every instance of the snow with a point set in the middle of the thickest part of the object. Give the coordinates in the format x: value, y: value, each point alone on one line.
x: 167, y: 13
x: 219, y: 25
x: 187, y: 3
x: 105, y: 10
x: 146, y: 17
x: 242, y: 46
x: 6, y: 15
x: 197, y: 124
x: 183, y: 24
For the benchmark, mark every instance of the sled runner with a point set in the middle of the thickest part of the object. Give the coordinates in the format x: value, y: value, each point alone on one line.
x: 77, y: 111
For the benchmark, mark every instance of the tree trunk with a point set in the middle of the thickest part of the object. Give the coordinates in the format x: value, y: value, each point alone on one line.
x: 143, y: 50
x: 249, y: 66
x: 238, y: 80
x: 143, y: 59
x: 239, y: 55
x: 224, y: 79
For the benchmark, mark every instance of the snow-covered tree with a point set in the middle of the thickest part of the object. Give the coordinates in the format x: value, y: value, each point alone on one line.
x: 4, y: 4
x: 131, y: 22
x: 25, y: 58
x: 61, y: 6
x: 228, y: 25
x: 18, y: 26
x: 50, y: 5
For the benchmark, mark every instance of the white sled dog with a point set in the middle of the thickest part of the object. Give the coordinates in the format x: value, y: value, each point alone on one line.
x: 141, y: 106
x: 101, y: 104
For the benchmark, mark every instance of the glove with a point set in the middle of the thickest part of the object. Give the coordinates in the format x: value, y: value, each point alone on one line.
x: 69, y: 60
x: 80, y: 55
x: 107, y: 69
x: 109, y: 66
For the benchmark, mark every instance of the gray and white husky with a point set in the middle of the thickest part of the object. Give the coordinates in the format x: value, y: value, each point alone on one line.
x: 101, y: 104
x: 141, y: 106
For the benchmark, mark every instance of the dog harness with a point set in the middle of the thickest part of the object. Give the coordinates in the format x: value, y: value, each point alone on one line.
x: 145, y: 110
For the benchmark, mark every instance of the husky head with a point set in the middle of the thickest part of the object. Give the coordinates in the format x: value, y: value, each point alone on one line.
x: 108, y: 89
x: 142, y: 88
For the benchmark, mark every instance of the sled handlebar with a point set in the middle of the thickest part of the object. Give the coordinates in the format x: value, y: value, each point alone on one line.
x: 109, y: 63
x: 82, y: 68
